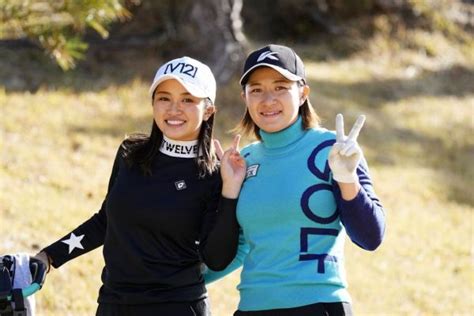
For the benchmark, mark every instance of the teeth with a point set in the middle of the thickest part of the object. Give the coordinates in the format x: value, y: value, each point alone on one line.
x: 174, y: 122
x: 270, y: 113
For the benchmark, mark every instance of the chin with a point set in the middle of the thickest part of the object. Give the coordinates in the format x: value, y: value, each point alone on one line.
x: 175, y: 136
x: 272, y: 128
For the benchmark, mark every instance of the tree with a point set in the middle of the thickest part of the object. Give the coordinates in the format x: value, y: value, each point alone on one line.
x: 210, y: 30
x: 58, y: 25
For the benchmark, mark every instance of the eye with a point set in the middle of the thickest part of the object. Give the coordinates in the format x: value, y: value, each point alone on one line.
x: 255, y: 90
x: 281, y: 88
x: 162, y: 99
x: 188, y: 100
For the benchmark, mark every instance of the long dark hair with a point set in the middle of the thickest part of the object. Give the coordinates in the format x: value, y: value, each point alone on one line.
x: 140, y: 149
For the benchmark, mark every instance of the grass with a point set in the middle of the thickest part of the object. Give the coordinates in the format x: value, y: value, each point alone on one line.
x: 59, y: 133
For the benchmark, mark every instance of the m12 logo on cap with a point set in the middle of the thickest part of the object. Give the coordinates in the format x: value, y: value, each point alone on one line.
x: 269, y: 55
x: 183, y: 68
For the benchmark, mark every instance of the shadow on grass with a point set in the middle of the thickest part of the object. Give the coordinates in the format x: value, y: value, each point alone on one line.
x: 450, y: 159
x: 456, y: 81
x: 112, y: 127
x: 29, y: 69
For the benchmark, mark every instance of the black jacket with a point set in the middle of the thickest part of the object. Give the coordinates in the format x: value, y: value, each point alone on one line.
x: 154, y: 230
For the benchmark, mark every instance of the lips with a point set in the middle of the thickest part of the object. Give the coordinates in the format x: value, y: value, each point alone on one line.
x: 175, y: 122
x: 270, y: 113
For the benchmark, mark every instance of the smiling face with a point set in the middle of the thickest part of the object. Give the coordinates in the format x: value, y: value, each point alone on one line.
x: 178, y: 114
x: 272, y: 100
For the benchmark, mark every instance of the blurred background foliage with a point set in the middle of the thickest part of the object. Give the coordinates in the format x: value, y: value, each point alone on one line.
x: 66, y: 28
x: 58, y: 26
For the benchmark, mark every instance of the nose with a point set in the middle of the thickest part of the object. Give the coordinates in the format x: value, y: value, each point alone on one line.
x: 268, y: 98
x: 174, y: 106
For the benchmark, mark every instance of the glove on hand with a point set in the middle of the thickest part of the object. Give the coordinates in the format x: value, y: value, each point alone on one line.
x: 345, y: 154
x: 43, y: 257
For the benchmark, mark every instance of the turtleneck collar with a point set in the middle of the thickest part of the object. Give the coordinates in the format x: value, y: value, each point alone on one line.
x: 284, y: 137
x: 180, y: 149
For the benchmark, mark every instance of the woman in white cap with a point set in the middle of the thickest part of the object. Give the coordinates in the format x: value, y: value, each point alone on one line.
x: 163, y: 195
x: 305, y: 188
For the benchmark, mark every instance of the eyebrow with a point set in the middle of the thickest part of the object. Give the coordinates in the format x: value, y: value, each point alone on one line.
x: 166, y: 92
x: 275, y: 81
x: 283, y: 81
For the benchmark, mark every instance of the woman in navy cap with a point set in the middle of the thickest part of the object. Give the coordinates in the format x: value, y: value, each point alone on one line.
x: 164, y: 192
x: 305, y: 189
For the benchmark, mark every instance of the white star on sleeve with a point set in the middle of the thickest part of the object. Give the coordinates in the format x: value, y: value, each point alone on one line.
x: 73, y: 242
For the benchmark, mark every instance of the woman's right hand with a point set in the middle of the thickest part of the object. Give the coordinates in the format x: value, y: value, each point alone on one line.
x: 233, y: 168
x: 43, y: 257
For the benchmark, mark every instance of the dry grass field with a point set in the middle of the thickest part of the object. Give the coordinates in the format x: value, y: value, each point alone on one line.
x: 59, y: 133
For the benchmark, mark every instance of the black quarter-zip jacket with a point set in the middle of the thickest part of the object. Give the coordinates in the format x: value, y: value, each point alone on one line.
x: 155, y: 232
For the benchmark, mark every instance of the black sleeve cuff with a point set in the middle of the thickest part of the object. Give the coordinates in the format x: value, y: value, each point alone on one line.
x: 226, y: 204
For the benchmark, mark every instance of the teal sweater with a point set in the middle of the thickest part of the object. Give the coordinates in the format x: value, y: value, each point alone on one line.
x: 291, y: 214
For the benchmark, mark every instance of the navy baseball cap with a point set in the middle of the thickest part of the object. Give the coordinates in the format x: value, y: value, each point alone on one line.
x: 281, y: 58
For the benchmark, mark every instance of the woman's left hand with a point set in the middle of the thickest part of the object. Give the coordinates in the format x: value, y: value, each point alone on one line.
x: 233, y: 168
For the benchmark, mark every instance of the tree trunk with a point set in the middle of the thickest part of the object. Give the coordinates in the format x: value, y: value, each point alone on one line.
x: 208, y: 30
x: 216, y: 36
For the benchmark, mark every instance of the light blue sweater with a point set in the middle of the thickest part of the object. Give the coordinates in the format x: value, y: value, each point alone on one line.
x: 289, y: 212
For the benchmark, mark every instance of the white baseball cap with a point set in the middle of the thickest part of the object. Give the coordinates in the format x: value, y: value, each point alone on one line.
x: 196, y: 77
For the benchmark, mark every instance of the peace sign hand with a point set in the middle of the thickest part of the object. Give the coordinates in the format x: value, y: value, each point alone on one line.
x: 345, y: 154
x: 233, y: 168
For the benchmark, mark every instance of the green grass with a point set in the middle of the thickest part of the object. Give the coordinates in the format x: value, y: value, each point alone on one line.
x: 58, y: 143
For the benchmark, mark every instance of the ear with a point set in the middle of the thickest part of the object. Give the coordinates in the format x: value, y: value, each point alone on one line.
x: 304, y: 94
x: 210, y: 109
x: 242, y: 96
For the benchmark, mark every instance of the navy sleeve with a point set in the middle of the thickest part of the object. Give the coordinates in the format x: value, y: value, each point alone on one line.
x: 87, y: 236
x: 363, y: 217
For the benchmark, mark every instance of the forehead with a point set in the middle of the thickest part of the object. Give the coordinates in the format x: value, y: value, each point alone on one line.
x: 266, y: 74
x: 171, y: 86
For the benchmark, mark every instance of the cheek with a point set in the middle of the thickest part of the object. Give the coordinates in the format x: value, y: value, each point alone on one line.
x: 248, y: 98
x: 158, y: 114
x: 252, y: 111
x: 251, y: 103
x: 196, y: 113
x: 200, y: 110
x: 297, y: 100
x: 294, y: 102
x: 156, y: 111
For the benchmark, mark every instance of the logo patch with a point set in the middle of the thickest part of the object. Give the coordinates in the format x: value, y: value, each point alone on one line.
x: 269, y: 55
x: 180, y: 185
x: 178, y: 150
x: 252, y: 171
x: 73, y: 242
x: 183, y: 68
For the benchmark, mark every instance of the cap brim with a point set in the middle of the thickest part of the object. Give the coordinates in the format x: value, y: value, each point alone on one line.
x: 285, y: 73
x: 192, y: 89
